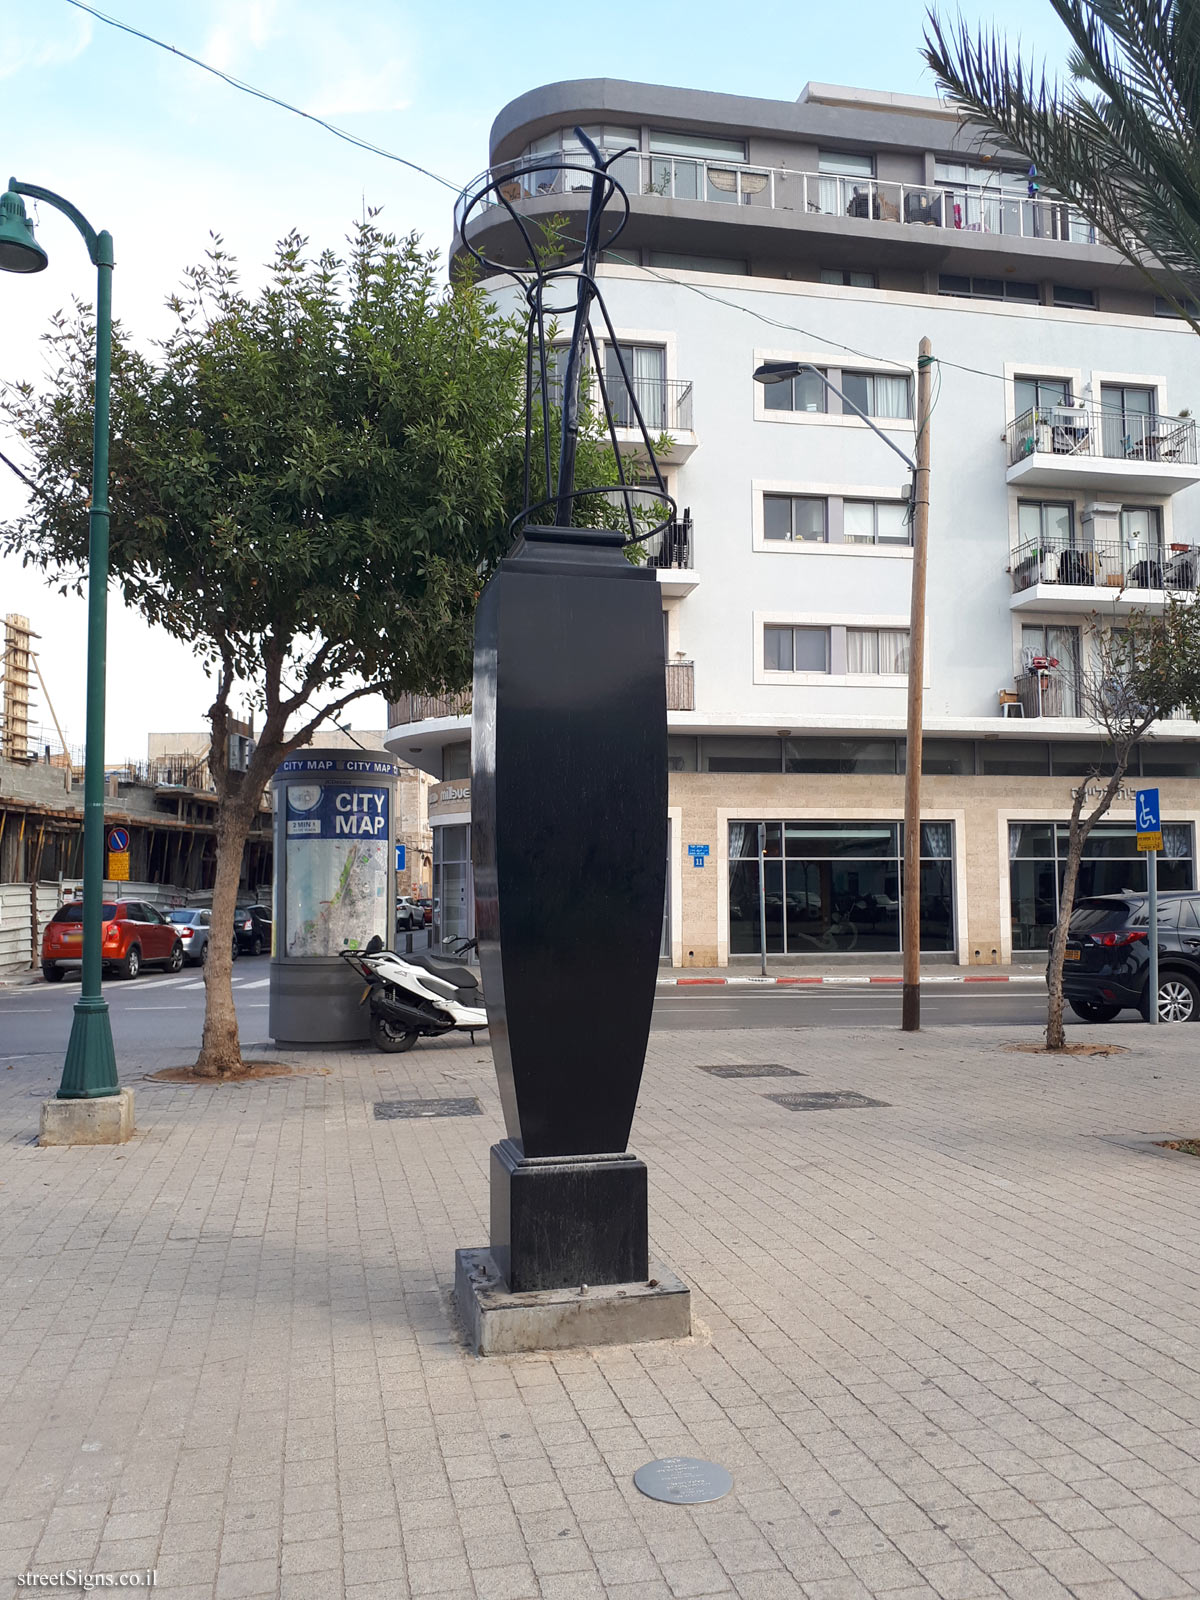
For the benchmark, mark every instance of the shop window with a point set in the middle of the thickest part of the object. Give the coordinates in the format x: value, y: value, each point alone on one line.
x: 453, y: 883
x: 835, y: 887
x: 1110, y: 863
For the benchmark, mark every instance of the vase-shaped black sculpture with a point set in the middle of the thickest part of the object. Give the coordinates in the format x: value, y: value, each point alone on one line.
x: 568, y: 799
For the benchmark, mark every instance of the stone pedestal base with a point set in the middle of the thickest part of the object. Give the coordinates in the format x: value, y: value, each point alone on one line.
x: 499, y: 1322
x: 105, y: 1120
x: 559, y: 1221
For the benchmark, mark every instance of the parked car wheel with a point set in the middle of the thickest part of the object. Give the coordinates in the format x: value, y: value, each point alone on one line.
x: 256, y: 946
x: 204, y: 953
x: 237, y: 949
x: 1178, y: 999
x: 132, y: 964
x: 1093, y: 1011
x: 175, y: 964
x: 51, y: 973
x: 387, y: 1036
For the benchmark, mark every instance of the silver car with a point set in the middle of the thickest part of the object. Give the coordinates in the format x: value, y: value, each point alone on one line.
x: 195, y: 931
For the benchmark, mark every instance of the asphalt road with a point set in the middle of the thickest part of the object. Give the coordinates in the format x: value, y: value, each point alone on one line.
x: 157, y: 1011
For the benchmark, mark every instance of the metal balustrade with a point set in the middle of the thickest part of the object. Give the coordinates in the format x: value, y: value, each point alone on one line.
x: 1067, y: 430
x: 964, y: 207
x: 427, y: 707
x: 672, y: 548
x: 1113, y: 564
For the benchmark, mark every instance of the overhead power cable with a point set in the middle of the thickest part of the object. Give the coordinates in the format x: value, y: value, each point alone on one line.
x: 261, y: 94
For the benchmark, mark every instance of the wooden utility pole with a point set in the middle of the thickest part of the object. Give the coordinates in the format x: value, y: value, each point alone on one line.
x: 910, y: 1019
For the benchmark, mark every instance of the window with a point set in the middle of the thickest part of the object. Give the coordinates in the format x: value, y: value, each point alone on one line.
x: 805, y: 392
x: 456, y: 760
x: 848, y: 279
x: 646, y: 366
x: 1040, y: 394
x: 1164, y: 308
x: 835, y: 887
x: 794, y: 516
x: 1065, y: 295
x: 1141, y: 546
x: 875, y: 522
x: 961, y: 172
x: 1045, y: 523
x: 672, y: 262
x: 847, y: 163
x: 453, y: 883
x: 878, y: 394
x: 988, y: 288
x: 1129, y: 418
x: 1059, y: 686
x: 877, y: 651
x: 1037, y: 853
x: 667, y: 143
x: 795, y: 649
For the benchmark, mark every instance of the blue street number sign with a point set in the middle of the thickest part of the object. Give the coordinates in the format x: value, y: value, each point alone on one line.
x: 698, y: 853
x: 400, y: 858
x: 118, y: 839
x: 1149, y: 820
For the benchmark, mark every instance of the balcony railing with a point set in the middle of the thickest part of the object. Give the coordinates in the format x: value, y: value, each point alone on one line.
x: 681, y: 687
x: 672, y: 547
x: 965, y: 207
x: 1047, y: 694
x: 665, y: 403
x: 1101, y: 431
x: 1115, y: 565
x: 428, y: 707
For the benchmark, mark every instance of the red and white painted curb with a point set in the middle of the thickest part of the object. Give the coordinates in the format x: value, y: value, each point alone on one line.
x: 846, y: 980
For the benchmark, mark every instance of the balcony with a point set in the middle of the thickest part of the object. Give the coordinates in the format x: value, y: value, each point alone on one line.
x: 428, y: 707
x: 681, y: 686
x: 1046, y: 694
x: 1120, y: 576
x: 967, y: 208
x: 669, y: 554
x: 1091, y: 447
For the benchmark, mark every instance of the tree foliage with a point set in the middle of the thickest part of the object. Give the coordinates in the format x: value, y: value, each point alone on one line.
x: 1118, y: 138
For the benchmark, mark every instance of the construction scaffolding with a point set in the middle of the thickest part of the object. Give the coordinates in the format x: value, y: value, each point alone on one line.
x: 17, y: 684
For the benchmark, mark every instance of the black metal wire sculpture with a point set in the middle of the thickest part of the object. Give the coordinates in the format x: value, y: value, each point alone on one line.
x: 540, y: 284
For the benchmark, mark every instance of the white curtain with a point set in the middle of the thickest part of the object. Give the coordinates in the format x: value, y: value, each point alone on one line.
x: 935, y: 840
x: 862, y: 650
x: 891, y: 396
x: 739, y: 840
x: 1177, y: 840
x: 893, y: 651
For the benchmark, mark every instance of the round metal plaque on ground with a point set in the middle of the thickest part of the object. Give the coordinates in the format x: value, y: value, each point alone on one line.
x: 683, y: 1480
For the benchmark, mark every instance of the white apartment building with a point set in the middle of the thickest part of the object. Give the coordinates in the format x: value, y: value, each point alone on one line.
x: 839, y: 230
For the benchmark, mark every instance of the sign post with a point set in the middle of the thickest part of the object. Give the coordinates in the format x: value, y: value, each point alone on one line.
x: 1149, y: 839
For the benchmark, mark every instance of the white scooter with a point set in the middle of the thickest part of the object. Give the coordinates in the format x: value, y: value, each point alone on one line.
x: 415, y: 994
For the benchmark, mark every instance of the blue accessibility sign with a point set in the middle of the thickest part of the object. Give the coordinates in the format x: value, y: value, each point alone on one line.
x: 118, y: 839
x: 1148, y: 815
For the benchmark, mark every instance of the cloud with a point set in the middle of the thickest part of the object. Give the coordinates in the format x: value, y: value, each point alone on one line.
x: 32, y: 42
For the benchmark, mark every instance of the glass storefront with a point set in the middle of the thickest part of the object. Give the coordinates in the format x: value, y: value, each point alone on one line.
x: 1037, y: 854
x: 834, y: 887
x: 453, y: 888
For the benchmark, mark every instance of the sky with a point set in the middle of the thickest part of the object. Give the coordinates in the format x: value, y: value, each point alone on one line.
x: 163, y: 154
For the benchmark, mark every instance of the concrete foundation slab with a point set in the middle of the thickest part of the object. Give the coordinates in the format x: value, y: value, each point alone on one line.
x: 501, y: 1323
x: 107, y: 1120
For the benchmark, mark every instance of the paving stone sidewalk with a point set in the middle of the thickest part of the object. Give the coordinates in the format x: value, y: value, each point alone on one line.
x: 946, y: 1345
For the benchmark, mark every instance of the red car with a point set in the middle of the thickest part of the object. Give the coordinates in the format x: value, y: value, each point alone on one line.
x: 135, y: 935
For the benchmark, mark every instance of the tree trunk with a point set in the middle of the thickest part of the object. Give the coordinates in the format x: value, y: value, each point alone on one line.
x: 1056, y: 1037
x: 220, y: 1049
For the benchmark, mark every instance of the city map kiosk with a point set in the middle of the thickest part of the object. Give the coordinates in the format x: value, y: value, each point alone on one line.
x: 335, y: 888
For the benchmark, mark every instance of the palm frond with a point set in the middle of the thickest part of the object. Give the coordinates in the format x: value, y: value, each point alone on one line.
x: 1118, y: 138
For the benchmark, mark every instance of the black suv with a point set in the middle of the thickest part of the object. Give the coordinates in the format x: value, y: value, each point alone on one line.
x: 252, y: 925
x: 1107, y: 966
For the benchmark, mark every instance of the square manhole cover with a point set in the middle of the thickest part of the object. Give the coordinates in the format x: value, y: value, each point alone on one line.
x: 396, y: 1110
x: 824, y: 1100
x: 760, y: 1069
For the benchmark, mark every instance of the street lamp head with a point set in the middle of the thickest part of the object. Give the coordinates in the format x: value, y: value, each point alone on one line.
x: 776, y: 371
x: 19, y: 250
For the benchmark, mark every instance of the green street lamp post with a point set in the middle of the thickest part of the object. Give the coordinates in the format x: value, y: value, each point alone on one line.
x: 90, y: 1070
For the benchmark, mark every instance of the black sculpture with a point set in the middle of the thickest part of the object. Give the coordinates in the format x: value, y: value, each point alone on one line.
x: 569, y: 795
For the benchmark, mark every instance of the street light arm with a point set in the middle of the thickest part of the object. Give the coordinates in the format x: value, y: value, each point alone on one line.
x: 99, y: 245
x: 777, y: 369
